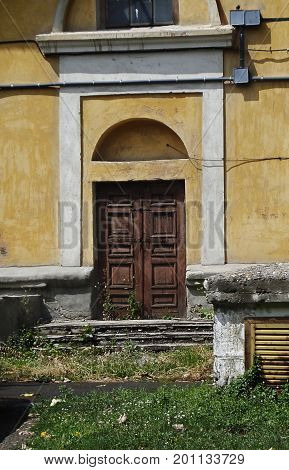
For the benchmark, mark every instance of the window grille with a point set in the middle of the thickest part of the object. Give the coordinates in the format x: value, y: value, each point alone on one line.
x: 133, y: 13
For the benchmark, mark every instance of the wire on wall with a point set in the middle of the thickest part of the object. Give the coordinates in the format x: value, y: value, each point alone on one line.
x: 270, y: 50
x: 196, y: 159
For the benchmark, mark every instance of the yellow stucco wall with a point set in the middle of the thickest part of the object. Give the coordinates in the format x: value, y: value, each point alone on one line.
x: 183, y: 114
x: 81, y: 16
x: 195, y: 12
x: 257, y: 192
x: 23, y: 63
x: 28, y: 178
x: 257, y: 128
x: 29, y: 172
x: 23, y: 20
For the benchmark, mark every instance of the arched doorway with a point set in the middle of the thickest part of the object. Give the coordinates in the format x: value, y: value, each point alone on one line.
x: 139, y: 227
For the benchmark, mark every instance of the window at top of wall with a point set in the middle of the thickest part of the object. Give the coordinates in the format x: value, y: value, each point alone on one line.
x: 133, y: 13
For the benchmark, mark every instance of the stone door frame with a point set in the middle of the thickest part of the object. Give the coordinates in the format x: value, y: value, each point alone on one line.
x: 203, y: 63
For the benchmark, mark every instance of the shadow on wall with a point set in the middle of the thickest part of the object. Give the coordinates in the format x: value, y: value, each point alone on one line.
x: 18, y: 312
x: 252, y: 92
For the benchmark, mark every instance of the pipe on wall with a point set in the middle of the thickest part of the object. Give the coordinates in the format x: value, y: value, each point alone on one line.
x: 285, y: 78
x: 224, y: 80
x: 19, y: 86
x: 59, y: 17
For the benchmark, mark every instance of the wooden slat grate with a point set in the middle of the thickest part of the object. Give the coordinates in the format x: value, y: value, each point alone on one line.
x: 268, y: 339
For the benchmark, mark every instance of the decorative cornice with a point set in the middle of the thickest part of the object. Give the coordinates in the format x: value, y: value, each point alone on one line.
x: 137, y: 39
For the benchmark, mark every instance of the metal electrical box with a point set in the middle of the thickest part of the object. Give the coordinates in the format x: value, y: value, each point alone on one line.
x: 252, y: 18
x: 237, y: 17
x: 245, y: 17
x: 241, y: 76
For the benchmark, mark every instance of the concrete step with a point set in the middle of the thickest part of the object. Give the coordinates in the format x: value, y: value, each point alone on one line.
x: 125, y: 338
x: 148, y: 334
x: 128, y: 325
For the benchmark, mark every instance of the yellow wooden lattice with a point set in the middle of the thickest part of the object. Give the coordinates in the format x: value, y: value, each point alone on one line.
x: 268, y: 339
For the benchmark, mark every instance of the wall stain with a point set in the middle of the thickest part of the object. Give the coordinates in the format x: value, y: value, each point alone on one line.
x: 3, y: 251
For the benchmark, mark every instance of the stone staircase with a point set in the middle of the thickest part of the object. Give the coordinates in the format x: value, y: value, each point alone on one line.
x: 152, y: 335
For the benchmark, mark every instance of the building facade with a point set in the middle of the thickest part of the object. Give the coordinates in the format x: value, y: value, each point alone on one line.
x: 132, y: 164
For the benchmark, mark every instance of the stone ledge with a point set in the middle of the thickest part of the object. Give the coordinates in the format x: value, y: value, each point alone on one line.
x: 199, y: 271
x: 49, y: 275
x: 152, y: 38
x: 249, y: 285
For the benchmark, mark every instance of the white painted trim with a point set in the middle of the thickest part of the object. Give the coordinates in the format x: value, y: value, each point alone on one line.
x: 70, y: 179
x: 213, y: 141
x: 214, y: 12
x: 213, y: 196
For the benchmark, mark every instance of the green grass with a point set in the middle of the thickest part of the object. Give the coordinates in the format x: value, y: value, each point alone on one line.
x: 89, y: 364
x: 211, y: 418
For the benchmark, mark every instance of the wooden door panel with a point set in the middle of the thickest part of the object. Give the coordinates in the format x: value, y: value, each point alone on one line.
x: 163, y: 223
x: 164, y: 275
x: 164, y: 257
x: 120, y: 224
x: 119, y: 258
x: 163, y: 248
x: 141, y: 246
x: 163, y: 303
x: 118, y: 249
x: 121, y: 275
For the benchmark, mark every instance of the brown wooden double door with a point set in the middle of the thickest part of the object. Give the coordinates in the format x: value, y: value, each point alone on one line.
x: 140, y: 247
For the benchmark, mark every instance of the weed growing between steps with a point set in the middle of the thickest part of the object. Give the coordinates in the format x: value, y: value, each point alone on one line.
x: 19, y: 361
x: 243, y: 415
x: 200, y: 311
